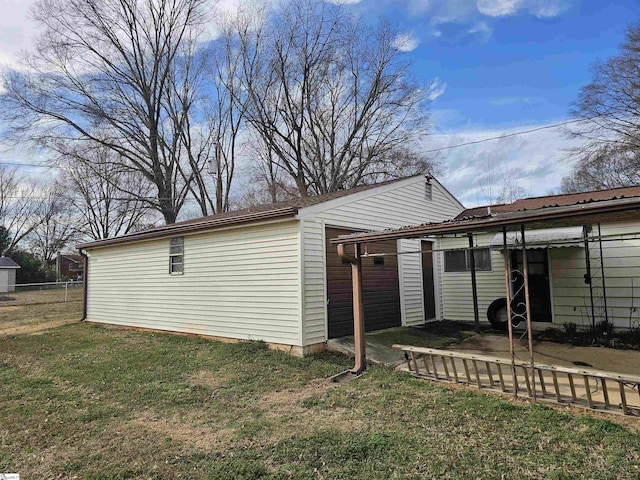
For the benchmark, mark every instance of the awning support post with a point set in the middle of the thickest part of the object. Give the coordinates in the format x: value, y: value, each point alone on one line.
x: 507, y: 282
x: 604, y: 285
x: 474, y: 283
x: 588, y: 279
x: 358, y: 306
x: 525, y: 273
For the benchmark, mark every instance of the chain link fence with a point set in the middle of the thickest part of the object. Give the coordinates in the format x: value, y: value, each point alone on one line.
x: 42, y: 294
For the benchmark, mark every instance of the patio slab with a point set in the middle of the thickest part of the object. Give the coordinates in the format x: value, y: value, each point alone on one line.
x: 379, y: 342
x: 551, y: 353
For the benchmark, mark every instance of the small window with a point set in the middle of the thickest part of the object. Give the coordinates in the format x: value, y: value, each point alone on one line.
x: 483, y: 259
x: 455, y: 261
x: 378, y: 260
x: 176, y: 256
x: 460, y: 260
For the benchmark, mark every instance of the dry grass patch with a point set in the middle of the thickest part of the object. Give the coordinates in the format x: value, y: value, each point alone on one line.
x: 39, y: 310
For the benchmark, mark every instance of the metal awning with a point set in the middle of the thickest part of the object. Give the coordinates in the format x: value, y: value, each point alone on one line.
x: 542, y: 238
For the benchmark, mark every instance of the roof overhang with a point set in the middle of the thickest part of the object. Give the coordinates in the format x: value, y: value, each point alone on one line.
x: 206, y: 225
x: 542, y: 238
x: 572, y: 215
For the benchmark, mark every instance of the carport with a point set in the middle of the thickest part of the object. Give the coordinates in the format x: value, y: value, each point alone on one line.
x: 513, y: 228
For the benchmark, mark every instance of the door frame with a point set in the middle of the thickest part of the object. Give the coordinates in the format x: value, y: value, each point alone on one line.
x: 534, y: 324
x: 436, y: 281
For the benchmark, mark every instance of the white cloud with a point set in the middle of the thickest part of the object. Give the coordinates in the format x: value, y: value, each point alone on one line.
x: 344, y: 2
x: 536, y: 161
x: 482, y: 29
x: 405, y: 42
x: 436, y: 89
x: 498, y: 8
x: 17, y: 30
x: 538, y: 8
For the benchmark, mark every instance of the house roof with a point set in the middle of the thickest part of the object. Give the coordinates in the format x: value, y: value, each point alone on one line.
x: 566, y: 199
x: 555, y: 210
x: 288, y: 208
x: 6, y: 262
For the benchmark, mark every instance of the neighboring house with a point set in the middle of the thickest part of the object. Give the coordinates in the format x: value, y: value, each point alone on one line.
x: 268, y: 273
x: 7, y: 274
x: 559, y: 288
x: 69, y: 267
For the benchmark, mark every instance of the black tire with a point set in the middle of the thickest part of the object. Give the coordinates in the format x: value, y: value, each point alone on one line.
x: 496, y: 320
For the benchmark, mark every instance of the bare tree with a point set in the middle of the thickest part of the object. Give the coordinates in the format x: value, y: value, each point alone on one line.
x: 96, y: 190
x: 55, y: 229
x: 610, y: 108
x: 225, y: 103
x: 19, y: 205
x: 498, y: 183
x: 123, y: 74
x: 333, y: 99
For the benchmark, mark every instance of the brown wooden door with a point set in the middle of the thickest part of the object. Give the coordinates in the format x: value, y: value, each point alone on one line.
x: 380, y: 285
x: 428, y: 283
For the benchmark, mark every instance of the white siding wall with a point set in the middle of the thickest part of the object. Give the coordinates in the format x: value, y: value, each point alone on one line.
x: 239, y: 283
x: 622, y: 278
x: 396, y: 205
x: 457, y: 299
x: 570, y: 295
x: 4, y: 280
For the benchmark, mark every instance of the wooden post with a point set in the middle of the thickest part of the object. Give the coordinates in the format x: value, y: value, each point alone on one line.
x: 358, y: 313
x: 358, y: 306
x: 474, y: 284
x: 507, y: 281
x: 525, y: 273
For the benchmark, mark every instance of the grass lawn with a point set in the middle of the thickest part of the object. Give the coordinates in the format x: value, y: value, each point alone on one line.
x: 88, y: 402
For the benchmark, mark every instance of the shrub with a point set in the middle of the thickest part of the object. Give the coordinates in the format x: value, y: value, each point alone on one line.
x: 570, y: 328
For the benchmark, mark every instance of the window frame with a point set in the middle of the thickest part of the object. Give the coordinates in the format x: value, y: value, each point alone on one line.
x: 467, y: 261
x: 173, y: 254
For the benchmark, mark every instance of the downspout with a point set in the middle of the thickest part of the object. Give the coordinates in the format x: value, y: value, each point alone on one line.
x: 85, y: 284
x: 358, y: 306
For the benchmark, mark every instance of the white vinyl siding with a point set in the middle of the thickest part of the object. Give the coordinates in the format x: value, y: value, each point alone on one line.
x: 569, y: 293
x: 240, y: 283
x: 392, y: 206
x: 571, y: 296
x: 410, y: 270
x: 457, y: 298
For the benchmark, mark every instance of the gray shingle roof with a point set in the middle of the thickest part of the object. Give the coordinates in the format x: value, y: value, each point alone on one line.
x: 6, y: 262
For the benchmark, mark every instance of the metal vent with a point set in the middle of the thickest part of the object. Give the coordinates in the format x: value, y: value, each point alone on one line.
x: 429, y: 192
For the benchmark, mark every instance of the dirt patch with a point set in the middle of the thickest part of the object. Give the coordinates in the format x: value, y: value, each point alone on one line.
x: 192, y: 429
x: 289, y: 404
x: 11, y: 308
x: 35, y: 329
x: 5, y: 298
x: 283, y: 401
x: 207, y: 378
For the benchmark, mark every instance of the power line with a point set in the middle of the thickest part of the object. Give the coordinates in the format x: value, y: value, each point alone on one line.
x: 37, y: 165
x: 506, y: 135
x: 473, y: 142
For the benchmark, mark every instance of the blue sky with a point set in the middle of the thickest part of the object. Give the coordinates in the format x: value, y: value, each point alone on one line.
x: 504, y: 66
x: 495, y: 67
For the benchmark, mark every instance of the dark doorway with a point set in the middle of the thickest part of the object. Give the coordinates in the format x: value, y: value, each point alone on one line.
x: 539, y: 292
x: 428, y: 283
x: 380, y: 285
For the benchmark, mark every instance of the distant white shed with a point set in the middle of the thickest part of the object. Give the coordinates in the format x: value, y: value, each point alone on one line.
x: 7, y: 274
